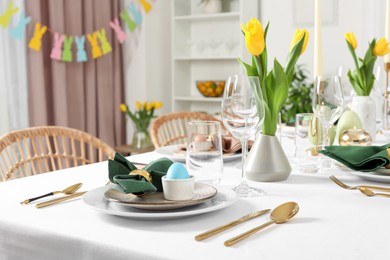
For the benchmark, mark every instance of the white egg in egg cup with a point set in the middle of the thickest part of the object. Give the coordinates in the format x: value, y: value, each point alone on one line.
x: 178, y: 189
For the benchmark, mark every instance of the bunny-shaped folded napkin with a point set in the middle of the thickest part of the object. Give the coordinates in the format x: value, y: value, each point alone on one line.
x: 360, y: 158
x: 137, y: 181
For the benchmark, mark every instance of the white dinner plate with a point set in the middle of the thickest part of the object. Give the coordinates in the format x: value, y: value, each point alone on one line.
x: 169, y: 151
x: 95, y: 199
x: 156, y: 201
x: 372, y: 176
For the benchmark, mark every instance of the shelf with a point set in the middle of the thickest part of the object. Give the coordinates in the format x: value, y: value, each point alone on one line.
x: 203, y: 17
x: 183, y: 58
x: 198, y: 99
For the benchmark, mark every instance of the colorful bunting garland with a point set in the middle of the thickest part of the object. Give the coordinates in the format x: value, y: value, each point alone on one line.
x: 62, y: 49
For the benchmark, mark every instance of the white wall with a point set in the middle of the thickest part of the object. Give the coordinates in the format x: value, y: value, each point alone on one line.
x: 365, y: 18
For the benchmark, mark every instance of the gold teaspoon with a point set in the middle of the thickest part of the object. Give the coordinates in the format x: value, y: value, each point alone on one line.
x: 70, y: 190
x: 279, y: 215
x: 370, y: 193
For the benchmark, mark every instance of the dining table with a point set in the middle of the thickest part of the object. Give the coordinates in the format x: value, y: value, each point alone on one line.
x: 332, y: 222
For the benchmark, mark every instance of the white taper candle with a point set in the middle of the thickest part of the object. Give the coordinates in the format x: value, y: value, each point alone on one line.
x: 318, y: 40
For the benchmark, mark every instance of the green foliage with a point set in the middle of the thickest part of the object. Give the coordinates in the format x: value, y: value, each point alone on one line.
x: 299, y: 96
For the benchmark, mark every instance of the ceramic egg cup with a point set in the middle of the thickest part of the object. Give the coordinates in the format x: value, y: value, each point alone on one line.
x: 178, y: 189
x: 202, y: 146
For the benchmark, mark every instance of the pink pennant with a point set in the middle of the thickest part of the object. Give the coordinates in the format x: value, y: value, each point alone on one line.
x: 120, y: 34
x: 57, y: 49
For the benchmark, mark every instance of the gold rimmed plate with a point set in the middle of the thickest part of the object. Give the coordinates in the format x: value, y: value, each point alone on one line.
x: 156, y: 201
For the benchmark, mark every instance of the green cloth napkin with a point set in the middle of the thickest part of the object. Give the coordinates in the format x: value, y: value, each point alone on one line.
x: 359, y: 158
x: 119, y: 169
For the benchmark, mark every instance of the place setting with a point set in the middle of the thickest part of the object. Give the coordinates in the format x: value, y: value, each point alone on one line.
x: 163, y: 189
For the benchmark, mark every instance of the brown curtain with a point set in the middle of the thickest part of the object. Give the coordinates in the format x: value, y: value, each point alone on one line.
x: 84, y: 96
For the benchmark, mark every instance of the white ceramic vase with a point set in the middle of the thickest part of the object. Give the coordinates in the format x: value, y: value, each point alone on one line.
x: 365, y: 107
x: 213, y: 6
x: 267, y: 161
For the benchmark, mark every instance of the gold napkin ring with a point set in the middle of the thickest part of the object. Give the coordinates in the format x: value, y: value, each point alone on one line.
x: 142, y: 173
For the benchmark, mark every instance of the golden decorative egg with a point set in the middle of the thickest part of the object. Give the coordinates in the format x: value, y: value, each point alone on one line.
x: 357, y: 137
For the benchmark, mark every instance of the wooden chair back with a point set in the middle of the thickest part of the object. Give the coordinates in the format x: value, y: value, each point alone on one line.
x: 42, y: 149
x: 171, y: 128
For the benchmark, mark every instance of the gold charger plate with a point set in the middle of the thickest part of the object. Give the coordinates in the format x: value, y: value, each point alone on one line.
x: 156, y: 201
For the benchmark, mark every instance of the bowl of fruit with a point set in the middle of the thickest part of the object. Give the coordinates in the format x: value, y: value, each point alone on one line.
x: 211, y: 88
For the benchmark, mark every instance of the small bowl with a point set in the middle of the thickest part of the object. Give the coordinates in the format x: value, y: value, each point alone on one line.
x: 211, y: 88
x: 178, y: 189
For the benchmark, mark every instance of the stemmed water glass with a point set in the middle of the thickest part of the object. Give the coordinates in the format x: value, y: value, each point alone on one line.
x: 327, y: 102
x: 243, y: 116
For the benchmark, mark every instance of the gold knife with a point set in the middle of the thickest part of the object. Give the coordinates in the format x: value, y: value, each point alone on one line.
x: 231, y: 224
x: 51, y: 202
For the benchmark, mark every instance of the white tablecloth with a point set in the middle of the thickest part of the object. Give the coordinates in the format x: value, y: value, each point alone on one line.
x: 332, y: 223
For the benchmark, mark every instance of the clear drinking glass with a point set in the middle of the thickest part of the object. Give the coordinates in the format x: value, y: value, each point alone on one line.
x: 243, y: 117
x: 204, y: 151
x: 327, y: 102
x: 304, y: 158
x: 328, y: 105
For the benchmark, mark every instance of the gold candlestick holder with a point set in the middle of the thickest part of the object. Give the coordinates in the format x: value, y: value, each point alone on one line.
x: 387, y: 112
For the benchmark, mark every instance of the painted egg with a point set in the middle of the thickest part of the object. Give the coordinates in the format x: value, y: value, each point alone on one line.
x: 177, y: 171
x: 348, y: 120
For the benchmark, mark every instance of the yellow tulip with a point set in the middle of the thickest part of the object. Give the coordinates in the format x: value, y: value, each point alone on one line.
x: 145, y: 105
x: 158, y: 105
x: 152, y: 104
x: 254, y: 36
x: 138, y: 105
x: 350, y: 37
x: 381, y: 47
x: 123, y: 107
x: 299, y: 33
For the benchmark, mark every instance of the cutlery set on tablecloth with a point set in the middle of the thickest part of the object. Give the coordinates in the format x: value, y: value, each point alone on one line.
x: 70, y: 191
x: 365, y: 189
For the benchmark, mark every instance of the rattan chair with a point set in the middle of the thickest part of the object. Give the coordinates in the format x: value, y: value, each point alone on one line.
x: 171, y: 128
x: 42, y: 149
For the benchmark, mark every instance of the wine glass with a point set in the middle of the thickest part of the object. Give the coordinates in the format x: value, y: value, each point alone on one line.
x: 327, y: 102
x: 243, y: 116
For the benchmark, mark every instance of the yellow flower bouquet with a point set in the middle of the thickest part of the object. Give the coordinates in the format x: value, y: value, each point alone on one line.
x: 142, y: 116
x: 274, y: 84
x: 362, y: 78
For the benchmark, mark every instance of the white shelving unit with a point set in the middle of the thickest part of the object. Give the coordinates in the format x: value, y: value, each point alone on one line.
x: 206, y: 47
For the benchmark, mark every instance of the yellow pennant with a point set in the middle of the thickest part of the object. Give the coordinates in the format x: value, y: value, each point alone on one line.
x: 96, y: 51
x: 36, y: 40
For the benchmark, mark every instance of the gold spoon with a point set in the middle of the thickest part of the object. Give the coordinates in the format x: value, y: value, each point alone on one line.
x: 370, y: 193
x: 279, y: 215
x: 70, y: 190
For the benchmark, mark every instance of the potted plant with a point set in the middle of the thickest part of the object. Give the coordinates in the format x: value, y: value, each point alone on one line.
x: 141, y: 118
x: 362, y: 80
x: 267, y: 160
x: 299, y: 96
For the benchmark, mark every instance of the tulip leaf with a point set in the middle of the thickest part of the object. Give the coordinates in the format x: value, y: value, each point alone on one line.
x: 250, y: 70
x: 293, y: 58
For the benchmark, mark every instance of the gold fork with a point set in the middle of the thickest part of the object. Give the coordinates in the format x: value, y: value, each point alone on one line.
x: 345, y: 186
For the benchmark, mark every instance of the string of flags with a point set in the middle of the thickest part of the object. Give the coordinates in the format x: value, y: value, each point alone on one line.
x: 62, y: 47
